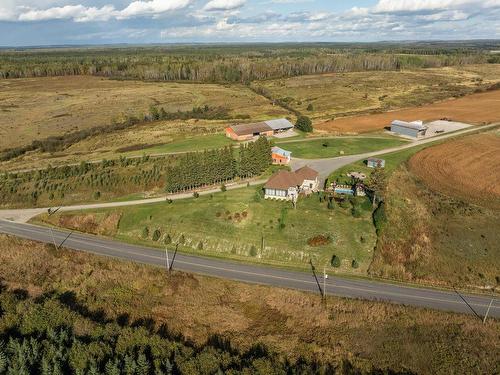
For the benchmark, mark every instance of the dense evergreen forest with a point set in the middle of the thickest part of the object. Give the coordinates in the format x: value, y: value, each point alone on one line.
x: 244, y: 63
x: 218, y: 166
x: 56, y: 334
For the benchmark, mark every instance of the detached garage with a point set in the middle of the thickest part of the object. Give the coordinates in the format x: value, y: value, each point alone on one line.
x: 412, y: 129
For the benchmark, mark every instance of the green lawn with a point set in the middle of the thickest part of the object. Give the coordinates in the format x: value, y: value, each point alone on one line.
x: 331, y: 147
x: 392, y: 161
x: 232, y: 225
x: 199, y: 143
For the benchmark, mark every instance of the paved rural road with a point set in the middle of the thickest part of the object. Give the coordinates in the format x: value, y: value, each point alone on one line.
x: 354, y: 288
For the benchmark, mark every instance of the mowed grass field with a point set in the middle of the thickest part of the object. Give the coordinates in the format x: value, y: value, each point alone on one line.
x: 392, y: 161
x: 475, y: 109
x: 291, y: 322
x: 340, y: 94
x: 332, y: 147
x: 40, y: 107
x: 468, y: 168
x: 238, y: 225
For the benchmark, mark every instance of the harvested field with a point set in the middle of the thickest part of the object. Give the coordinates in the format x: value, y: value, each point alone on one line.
x: 36, y: 108
x: 467, y: 168
x: 473, y: 109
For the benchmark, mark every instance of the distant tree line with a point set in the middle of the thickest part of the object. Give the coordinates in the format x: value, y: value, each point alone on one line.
x: 196, y: 169
x: 229, y: 65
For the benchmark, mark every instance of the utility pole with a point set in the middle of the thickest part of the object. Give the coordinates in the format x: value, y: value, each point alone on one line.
x: 488, y: 311
x: 325, y: 276
x: 166, y: 256
x: 467, y: 303
x: 50, y: 213
x: 316, y: 278
x: 53, y: 239
x: 70, y: 233
x: 173, y: 258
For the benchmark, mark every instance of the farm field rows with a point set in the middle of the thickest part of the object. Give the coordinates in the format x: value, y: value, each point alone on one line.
x: 35, y: 108
x: 472, y: 109
x: 468, y: 168
x: 239, y: 224
x: 330, y: 95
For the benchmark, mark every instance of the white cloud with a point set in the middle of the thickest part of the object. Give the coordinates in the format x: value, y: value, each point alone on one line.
x: 77, y: 12
x: 154, y: 7
x: 225, y: 20
x: 395, y: 6
x: 221, y: 5
x: 12, y: 11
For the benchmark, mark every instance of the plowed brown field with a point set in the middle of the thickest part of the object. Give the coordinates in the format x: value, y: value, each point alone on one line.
x: 467, y: 168
x: 472, y: 109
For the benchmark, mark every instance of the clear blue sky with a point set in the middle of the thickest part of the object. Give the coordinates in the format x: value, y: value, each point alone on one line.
x: 49, y: 22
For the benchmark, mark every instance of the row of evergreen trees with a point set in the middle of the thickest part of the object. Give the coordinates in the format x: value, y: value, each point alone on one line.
x: 196, y: 169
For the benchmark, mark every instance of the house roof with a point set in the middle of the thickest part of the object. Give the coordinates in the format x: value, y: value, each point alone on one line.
x: 260, y: 127
x: 283, y: 180
x: 245, y: 129
x: 279, y: 124
x: 280, y: 151
x: 376, y: 159
x: 307, y: 173
x: 410, y: 125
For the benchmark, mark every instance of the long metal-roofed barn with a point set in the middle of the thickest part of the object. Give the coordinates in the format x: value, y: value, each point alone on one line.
x: 412, y: 129
x: 245, y: 132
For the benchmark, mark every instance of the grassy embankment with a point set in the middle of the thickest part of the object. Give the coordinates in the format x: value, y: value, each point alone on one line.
x: 239, y: 224
x: 87, y: 292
